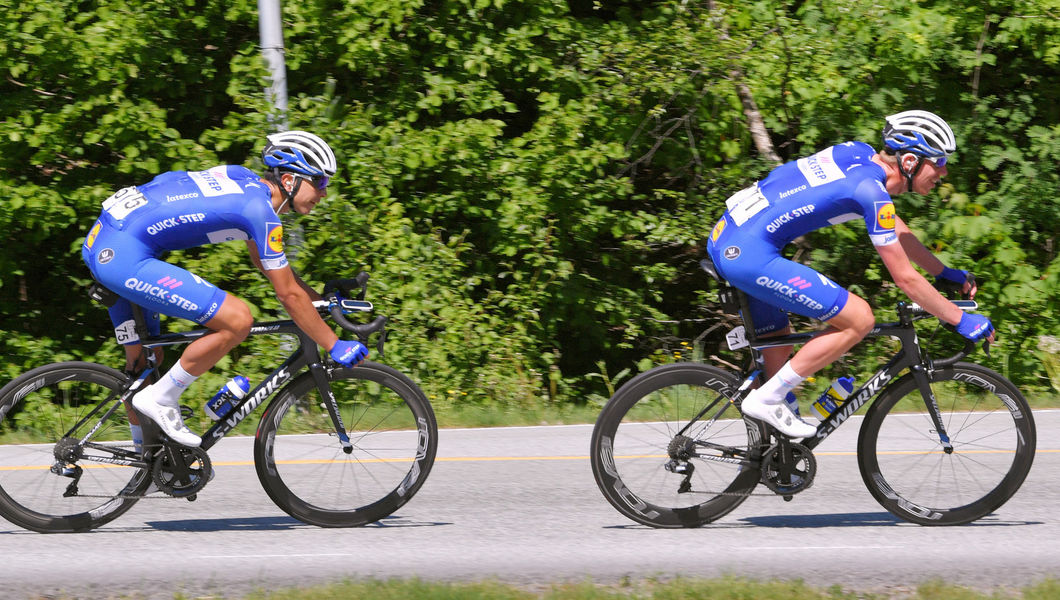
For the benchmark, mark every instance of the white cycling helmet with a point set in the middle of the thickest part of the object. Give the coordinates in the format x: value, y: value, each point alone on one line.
x: 299, y: 152
x: 920, y: 132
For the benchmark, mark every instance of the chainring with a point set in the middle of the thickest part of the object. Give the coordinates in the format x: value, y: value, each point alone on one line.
x: 195, y: 460
x: 800, y: 474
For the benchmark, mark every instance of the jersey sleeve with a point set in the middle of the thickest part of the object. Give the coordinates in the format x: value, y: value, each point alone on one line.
x: 261, y: 220
x: 270, y: 246
x: 878, y: 210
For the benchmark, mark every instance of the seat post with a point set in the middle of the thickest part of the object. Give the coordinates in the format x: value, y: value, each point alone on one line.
x: 139, y: 322
x: 733, y: 300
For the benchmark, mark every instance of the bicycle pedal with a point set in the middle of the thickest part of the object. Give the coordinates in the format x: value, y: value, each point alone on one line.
x: 186, y: 412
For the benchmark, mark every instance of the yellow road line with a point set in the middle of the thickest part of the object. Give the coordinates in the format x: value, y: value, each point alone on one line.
x: 246, y: 463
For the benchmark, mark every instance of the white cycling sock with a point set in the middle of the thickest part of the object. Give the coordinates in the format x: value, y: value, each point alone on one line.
x: 778, y: 386
x: 169, y: 387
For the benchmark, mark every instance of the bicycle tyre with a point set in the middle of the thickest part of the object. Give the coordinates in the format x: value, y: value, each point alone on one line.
x: 991, y: 429
x: 303, y: 467
x: 36, y: 409
x: 632, y: 435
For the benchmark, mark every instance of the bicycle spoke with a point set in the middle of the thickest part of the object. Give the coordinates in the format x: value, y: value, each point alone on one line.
x: 991, y: 442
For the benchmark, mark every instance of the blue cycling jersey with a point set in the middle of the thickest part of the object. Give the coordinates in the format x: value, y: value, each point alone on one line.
x: 177, y: 210
x: 835, y: 185
x: 184, y: 209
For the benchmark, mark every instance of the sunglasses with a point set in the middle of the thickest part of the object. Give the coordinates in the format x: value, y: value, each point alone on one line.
x: 938, y: 161
x: 320, y: 182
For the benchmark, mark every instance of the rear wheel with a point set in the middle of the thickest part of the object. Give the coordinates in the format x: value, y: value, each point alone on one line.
x: 53, y: 479
x: 670, y: 449
x: 304, y: 468
x: 906, y: 466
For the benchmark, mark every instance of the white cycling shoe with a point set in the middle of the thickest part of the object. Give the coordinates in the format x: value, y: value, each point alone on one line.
x: 777, y: 414
x: 166, y: 417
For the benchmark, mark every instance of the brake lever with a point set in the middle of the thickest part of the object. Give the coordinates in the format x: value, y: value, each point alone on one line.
x: 971, y: 286
x: 951, y: 289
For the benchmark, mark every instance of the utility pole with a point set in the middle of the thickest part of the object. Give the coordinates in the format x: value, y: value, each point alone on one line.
x: 270, y: 27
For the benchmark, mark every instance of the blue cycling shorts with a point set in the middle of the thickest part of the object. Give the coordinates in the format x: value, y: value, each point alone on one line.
x: 124, y: 265
x: 775, y: 285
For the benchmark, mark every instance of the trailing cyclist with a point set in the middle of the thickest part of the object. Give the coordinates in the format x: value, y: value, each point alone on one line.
x: 184, y: 209
x: 841, y: 183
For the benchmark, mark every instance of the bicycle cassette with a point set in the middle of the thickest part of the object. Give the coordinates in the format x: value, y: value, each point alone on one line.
x: 184, y: 479
x: 788, y: 475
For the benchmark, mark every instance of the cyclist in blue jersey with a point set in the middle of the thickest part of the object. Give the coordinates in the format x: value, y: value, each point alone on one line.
x: 844, y: 182
x: 184, y: 209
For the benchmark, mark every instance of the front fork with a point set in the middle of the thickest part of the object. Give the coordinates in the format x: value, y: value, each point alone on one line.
x: 922, y: 377
x: 320, y: 377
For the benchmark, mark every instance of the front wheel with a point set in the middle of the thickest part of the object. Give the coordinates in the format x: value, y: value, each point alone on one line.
x: 306, y: 471
x: 62, y: 433
x: 909, y: 470
x: 670, y: 449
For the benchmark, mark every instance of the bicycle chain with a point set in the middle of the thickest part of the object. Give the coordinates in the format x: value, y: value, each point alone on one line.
x: 802, y: 450
x: 157, y: 496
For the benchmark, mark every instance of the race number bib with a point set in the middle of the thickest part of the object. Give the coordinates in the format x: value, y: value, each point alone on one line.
x: 123, y: 202
x: 126, y: 332
x: 745, y: 204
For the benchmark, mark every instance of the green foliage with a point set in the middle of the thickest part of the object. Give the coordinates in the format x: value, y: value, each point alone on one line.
x: 530, y: 183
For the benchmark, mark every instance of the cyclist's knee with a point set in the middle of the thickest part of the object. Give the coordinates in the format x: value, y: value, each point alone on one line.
x: 856, y: 317
x: 233, y: 317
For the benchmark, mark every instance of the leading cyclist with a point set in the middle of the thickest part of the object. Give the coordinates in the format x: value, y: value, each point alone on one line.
x: 841, y: 183
x: 184, y: 209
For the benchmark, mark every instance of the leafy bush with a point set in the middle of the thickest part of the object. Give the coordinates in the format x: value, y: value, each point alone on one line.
x: 530, y: 183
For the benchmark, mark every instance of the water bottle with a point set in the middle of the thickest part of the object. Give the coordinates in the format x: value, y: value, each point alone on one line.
x: 137, y: 433
x: 793, y: 402
x: 834, y: 396
x: 228, y: 396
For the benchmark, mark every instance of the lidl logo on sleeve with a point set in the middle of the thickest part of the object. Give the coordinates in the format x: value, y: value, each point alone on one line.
x: 275, y: 238
x: 91, y: 239
x: 885, y: 216
x: 717, y: 230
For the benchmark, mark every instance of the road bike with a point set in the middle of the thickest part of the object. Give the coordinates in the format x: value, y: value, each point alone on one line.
x: 335, y: 447
x: 944, y: 441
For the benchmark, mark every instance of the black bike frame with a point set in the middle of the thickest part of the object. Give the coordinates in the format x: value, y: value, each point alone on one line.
x: 307, y: 355
x: 910, y: 356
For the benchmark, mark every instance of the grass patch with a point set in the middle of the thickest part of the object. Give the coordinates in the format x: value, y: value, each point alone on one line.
x: 679, y: 589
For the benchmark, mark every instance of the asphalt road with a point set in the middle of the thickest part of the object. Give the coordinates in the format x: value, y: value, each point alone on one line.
x: 520, y: 505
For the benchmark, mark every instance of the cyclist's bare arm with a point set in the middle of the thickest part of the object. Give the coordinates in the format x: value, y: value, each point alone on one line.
x: 915, y: 286
x: 921, y: 255
x: 915, y: 249
x: 313, y: 294
x: 296, y: 297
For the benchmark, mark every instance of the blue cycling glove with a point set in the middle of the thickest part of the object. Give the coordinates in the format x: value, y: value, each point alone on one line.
x: 974, y: 326
x: 957, y: 276
x: 348, y: 353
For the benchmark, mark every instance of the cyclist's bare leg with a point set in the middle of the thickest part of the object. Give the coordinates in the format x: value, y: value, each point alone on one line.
x: 136, y: 361
x: 160, y: 401
x: 774, y: 358
x: 766, y: 403
x: 230, y: 326
x: 849, y: 327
